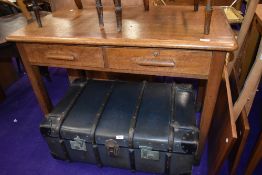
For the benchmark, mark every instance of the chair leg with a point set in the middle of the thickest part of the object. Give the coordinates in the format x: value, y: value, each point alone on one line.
x: 208, y: 17
x: 118, y: 11
x: 146, y: 5
x: 196, y: 5
x: 99, y: 8
x: 37, y: 14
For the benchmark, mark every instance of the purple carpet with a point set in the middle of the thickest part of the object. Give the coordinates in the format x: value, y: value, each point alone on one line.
x: 23, y: 150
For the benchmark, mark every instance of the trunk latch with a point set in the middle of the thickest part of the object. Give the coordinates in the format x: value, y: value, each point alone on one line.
x: 112, y: 147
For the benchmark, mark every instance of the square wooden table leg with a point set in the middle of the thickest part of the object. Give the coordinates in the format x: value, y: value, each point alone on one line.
x: 213, y: 83
x: 36, y: 81
x: 208, y: 17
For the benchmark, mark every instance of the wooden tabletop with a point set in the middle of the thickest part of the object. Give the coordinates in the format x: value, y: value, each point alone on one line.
x: 168, y: 27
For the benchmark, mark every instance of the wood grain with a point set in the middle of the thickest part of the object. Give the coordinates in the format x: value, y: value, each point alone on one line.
x: 54, y: 54
x: 212, y: 89
x: 243, y: 32
x: 249, y: 90
x: 36, y: 81
x: 223, y: 132
x: 242, y: 126
x: 181, y: 28
x: 166, y: 61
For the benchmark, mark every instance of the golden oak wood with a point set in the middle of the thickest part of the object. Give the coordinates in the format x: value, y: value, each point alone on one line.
x: 223, y: 132
x: 183, y: 28
x: 171, y: 61
x: 213, y: 83
x: 36, y: 81
x: 54, y: 54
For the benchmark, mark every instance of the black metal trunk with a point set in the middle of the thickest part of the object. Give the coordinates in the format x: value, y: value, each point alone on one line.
x: 140, y: 126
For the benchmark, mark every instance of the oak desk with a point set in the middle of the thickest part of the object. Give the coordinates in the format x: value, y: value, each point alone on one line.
x: 166, y: 41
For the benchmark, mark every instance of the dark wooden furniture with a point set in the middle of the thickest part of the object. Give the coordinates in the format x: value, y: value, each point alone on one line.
x: 256, y: 157
x: 146, y: 45
x: 239, y: 101
x: 8, y: 74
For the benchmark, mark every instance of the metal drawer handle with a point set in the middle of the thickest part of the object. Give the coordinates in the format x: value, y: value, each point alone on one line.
x: 58, y: 56
x: 154, y: 62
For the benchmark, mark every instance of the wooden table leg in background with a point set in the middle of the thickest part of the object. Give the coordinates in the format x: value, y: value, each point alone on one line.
x: 200, y: 94
x: 36, y: 81
x: 75, y: 74
x: 213, y: 83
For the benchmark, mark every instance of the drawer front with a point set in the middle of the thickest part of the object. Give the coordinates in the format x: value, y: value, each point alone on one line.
x: 64, y: 55
x: 160, y: 61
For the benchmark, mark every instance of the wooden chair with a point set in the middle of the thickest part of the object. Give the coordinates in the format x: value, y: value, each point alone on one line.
x: 256, y: 157
x: 231, y: 142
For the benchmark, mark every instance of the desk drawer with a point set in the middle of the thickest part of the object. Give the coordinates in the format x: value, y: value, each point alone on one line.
x: 64, y: 55
x: 160, y: 61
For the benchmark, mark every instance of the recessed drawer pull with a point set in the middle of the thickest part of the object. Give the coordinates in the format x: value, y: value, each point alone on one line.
x: 154, y: 62
x: 55, y: 56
